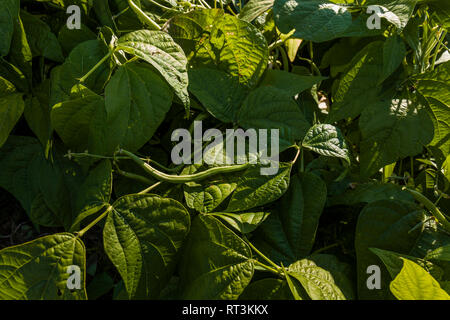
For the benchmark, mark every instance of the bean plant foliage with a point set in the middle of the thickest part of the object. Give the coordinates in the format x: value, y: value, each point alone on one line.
x: 363, y: 180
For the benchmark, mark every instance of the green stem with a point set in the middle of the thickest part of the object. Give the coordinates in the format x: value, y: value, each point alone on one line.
x: 276, y: 44
x: 326, y: 248
x: 299, y: 150
x: 95, y: 67
x: 284, y: 58
x: 267, y: 267
x: 93, y: 223
x: 206, y: 5
x: 314, y: 68
x: 143, y: 15
x: 438, y: 49
x: 186, y: 178
x: 262, y: 255
x: 134, y: 176
x: 162, y: 6
x: 431, y: 207
x: 150, y: 188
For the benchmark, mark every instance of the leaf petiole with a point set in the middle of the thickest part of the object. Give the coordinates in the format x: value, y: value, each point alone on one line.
x: 431, y: 207
x: 143, y: 15
x: 95, y: 67
x: 262, y: 255
x: 93, y: 223
x: 277, y: 272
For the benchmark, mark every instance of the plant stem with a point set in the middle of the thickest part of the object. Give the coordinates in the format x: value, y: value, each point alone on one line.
x: 276, y: 44
x: 431, y: 207
x: 143, y: 15
x: 262, y: 255
x: 186, y: 178
x: 134, y: 176
x: 93, y: 223
x: 438, y: 48
x: 162, y: 6
x: 326, y: 248
x: 267, y: 267
x: 150, y: 188
x: 95, y: 67
x: 299, y: 150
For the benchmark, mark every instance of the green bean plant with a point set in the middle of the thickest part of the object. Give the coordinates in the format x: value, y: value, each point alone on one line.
x: 359, y: 92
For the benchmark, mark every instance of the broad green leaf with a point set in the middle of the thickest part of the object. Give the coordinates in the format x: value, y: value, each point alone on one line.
x: 254, y: 189
x: 220, y: 93
x: 371, y: 192
x: 14, y: 75
x: 317, y: 282
x: 160, y: 50
x: 136, y: 101
x: 340, y: 55
x: 359, y: 84
x: 358, y: 27
x: 9, y: 12
x: 82, y: 123
x: 267, y: 289
x: 384, y: 225
x: 42, y: 41
x: 103, y: 12
x: 16, y: 157
x: 396, y: 12
x: 289, y: 233
x: 80, y: 61
x: 92, y: 190
x: 272, y: 108
x: 240, y: 49
x: 216, y: 263
x: 207, y: 195
x: 192, y: 32
x: 326, y: 140
x: 20, y: 53
x: 434, y: 87
x: 394, y: 51
x: 254, y: 8
x: 292, y: 47
x: 289, y: 82
x: 293, y: 285
x: 66, y: 190
x: 394, y: 264
x: 41, y: 214
x: 244, y: 222
x: 37, y: 113
x: 142, y: 237
x: 217, y: 40
x: 11, y: 108
x: 71, y: 38
x: 414, y: 283
x: 389, y: 133
x: 52, y: 191
x: 312, y: 20
x: 341, y: 272
x: 38, y: 270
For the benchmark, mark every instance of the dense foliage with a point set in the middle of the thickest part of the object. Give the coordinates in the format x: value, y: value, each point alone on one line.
x: 87, y: 115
